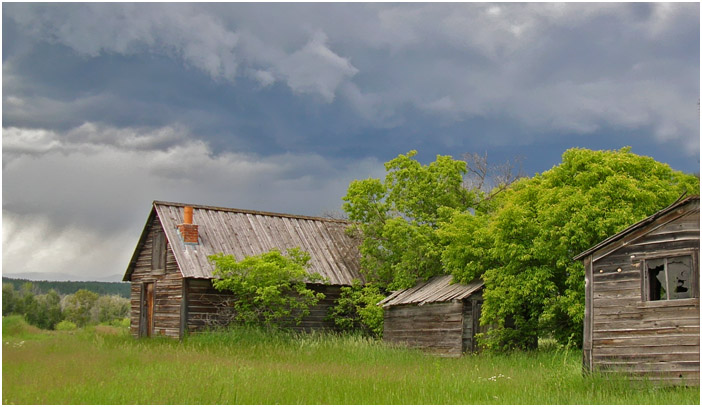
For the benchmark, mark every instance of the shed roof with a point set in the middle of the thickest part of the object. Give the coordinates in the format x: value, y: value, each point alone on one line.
x: 333, y: 254
x: 675, y: 205
x: 436, y: 289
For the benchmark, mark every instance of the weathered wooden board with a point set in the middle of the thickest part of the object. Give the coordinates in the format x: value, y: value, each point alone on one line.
x: 167, y: 287
x: 659, y: 339
x: 207, y: 307
x: 436, y: 327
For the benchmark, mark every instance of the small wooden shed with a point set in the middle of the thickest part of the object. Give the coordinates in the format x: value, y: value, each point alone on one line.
x: 436, y: 316
x: 642, y: 298
x: 171, y: 276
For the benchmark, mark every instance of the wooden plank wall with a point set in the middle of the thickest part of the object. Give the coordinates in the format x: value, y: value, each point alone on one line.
x: 206, y: 307
x: 435, y: 328
x: 655, y: 339
x: 167, y: 286
x: 471, y: 322
x: 468, y: 327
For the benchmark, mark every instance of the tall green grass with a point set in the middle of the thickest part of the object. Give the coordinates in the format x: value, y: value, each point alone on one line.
x: 103, y: 365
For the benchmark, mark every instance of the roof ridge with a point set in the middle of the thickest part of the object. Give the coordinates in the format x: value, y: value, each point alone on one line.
x: 251, y: 212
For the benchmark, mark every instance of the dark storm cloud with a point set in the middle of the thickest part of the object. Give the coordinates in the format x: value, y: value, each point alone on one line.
x: 278, y: 106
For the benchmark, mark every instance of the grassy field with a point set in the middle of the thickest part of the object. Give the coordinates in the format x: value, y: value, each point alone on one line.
x: 103, y: 365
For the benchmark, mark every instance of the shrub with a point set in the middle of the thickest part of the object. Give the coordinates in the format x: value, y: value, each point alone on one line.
x: 66, y: 326
x: 357, y: 309
x: 119, y: 322
x: 269, y: 288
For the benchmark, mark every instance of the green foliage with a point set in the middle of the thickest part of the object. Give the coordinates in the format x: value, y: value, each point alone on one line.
x: 16, y: 326
x: 46, y: 310
x: 40, y: 310
x: 71, y: 287
x: 66, y: 326
x: 9, y: 299
x: 111, y: 307
x: 398, y: 218
x: 269, y: 288
x: 357, y: 310
x: 121, y: 323
x: 524, y: 250
x: 78, y: 307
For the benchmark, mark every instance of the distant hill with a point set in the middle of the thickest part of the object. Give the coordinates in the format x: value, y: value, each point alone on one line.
x: 70, y: 287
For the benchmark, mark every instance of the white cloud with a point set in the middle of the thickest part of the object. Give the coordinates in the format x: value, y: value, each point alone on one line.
x: 193, y: 34
x: 78, y: 208
x: 32, y: 244
x: 199, y: 38
x: 316, y: 69
x: 86, y: 138
x: 457, y: 61
x: 263, y: 77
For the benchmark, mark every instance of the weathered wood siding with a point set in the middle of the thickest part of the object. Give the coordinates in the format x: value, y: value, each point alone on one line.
x: 167, y: 288
x: 655, y: 339
x: 206, y: 307
x: 433, y: 327
x: 468, y: 334
x: 471, y: 322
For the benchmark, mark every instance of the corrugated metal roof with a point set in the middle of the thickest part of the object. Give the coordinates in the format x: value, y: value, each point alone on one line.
x: 334, y: 255
x: 680, y: 202
x: 436, y: 289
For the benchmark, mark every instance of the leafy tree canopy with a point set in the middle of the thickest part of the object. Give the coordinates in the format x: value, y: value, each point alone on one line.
x: 269, y: 288
x: 78, y: 307
x: 524, y: 249
x: 398, y: 217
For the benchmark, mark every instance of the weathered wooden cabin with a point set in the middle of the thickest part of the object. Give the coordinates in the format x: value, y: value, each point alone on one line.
x: 171, y: 276
x: 436, y: 316
x: 642, y: 297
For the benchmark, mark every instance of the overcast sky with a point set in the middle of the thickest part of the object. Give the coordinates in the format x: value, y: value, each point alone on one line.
x: 277, y: 107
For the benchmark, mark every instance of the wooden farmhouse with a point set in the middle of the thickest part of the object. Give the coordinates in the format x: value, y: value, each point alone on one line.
x: 642, y: 298
x: 171, y: 276
x: 436, y: 316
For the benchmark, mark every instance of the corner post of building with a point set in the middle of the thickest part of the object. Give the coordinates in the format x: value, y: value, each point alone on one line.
x: 588, y: 318
x: 183, y: 309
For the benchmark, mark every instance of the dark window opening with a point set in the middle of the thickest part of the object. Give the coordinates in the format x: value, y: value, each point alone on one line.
x: 669, y: 278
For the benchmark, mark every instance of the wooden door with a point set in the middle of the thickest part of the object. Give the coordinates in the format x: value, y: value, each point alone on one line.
x: 146, y: 320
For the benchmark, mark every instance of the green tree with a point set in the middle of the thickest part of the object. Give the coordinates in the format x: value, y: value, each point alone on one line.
x: 111, y: 307
x: 78, y: 307
x: 524, y: 250
x: 398, y: 218
x: 269, y: 288
x: 9, y: 299
x: 45, y: 311
x: 357, y: 309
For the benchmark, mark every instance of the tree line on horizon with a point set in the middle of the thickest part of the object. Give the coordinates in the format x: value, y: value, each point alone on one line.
x: 121, y: 289
x: 51, y: 310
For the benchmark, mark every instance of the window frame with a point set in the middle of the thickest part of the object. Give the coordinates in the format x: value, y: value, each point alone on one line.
x: 159, y: 250
x: 665, y: 255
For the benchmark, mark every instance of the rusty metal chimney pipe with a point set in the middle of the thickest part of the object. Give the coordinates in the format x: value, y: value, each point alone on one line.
x: 188, y: 215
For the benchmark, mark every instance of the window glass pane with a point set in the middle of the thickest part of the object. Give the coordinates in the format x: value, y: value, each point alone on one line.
x: 679, y: 276
x: 656, y: 279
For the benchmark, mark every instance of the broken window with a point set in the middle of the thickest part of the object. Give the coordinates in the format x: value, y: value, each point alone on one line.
x: 669, y: 278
